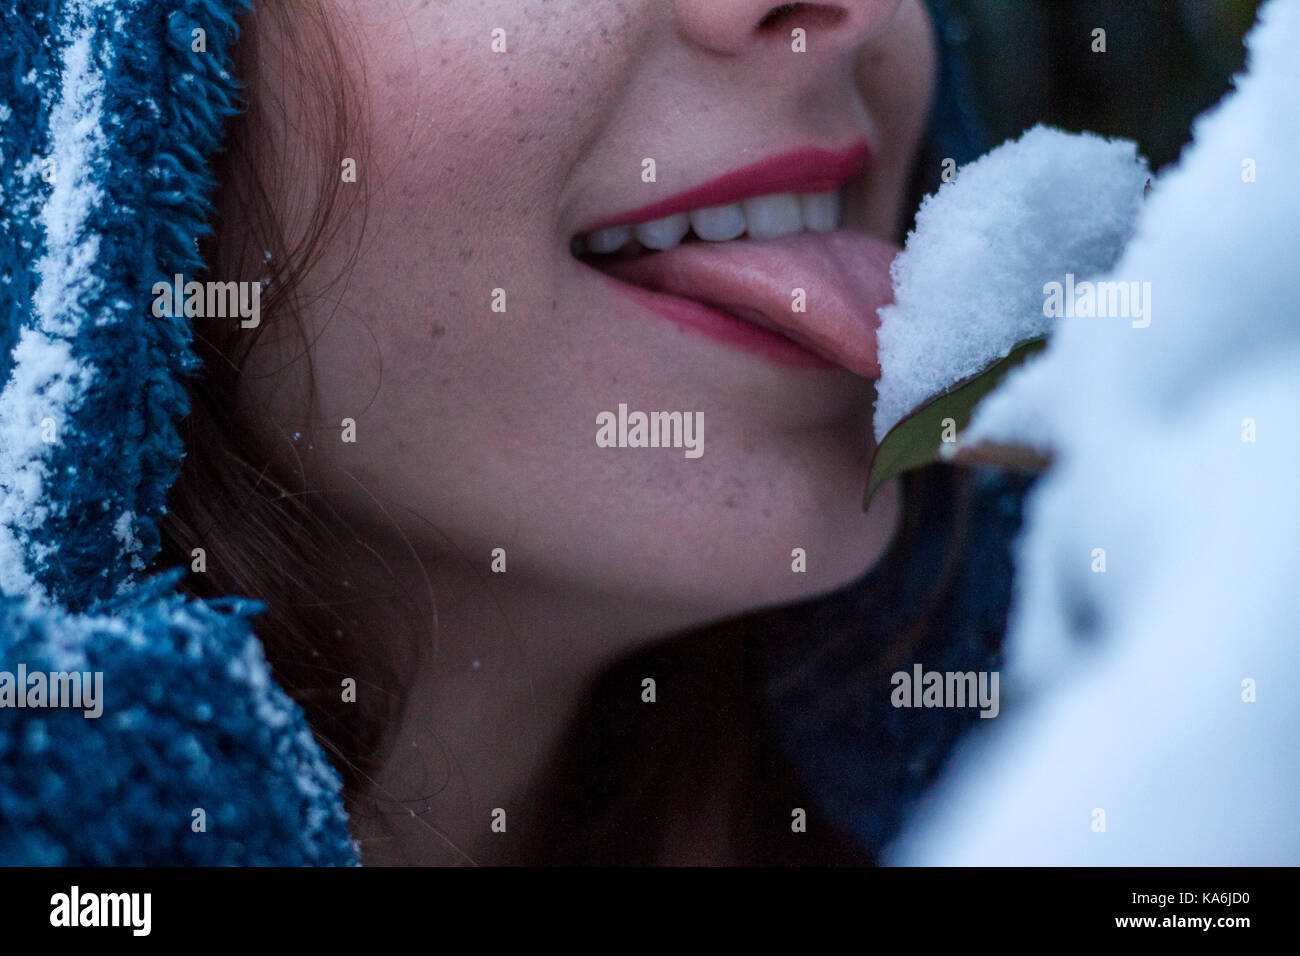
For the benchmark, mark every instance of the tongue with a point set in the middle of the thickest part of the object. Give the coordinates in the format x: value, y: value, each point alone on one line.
x: 844, y: 275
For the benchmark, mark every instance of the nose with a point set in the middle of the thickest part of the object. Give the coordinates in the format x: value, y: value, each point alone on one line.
x: 732, y: 27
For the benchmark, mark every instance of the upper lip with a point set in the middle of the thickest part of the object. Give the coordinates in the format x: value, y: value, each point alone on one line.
x: 805, y: 170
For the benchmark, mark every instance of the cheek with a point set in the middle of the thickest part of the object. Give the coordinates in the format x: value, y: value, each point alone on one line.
x: 897, y: 69
x: 896, y: 75
x: 470, y: 151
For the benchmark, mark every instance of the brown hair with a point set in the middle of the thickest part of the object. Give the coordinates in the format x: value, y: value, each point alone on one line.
x: 268, y: 535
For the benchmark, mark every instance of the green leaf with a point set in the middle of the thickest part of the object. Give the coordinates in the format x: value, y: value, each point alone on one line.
x: 915, y: 441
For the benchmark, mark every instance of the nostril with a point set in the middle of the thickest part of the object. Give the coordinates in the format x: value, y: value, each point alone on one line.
x: 806, y: 15
x: 773, y: 16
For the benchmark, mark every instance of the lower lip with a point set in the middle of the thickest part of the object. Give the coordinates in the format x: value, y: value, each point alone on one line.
x: 720, y: 326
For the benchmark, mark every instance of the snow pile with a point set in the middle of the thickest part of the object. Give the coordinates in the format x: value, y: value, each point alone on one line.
x: 968, y: 285
x: 1153, y: 706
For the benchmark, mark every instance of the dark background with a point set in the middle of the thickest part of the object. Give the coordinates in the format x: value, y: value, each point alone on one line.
x: 1165, y: 62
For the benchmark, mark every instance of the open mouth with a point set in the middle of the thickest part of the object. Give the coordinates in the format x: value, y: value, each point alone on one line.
x: 757, y: 259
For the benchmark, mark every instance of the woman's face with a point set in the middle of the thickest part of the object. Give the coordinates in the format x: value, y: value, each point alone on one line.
x: 477, y: 411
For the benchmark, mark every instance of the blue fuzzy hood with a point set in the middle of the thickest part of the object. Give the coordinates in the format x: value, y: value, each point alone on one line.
x: 110, y: 111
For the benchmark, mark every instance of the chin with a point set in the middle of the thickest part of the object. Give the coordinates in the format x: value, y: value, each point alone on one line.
x: 745, y: 560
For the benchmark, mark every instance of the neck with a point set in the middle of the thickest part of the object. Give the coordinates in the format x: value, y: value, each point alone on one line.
x: 502, y: 667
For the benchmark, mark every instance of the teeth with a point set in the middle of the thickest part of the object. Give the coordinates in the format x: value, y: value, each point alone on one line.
x: 609, y: 240
x: 663, y: 233
x: 768, y: 217
x: 719, y: 223
x: 763, y: 217
x: 821, y: 211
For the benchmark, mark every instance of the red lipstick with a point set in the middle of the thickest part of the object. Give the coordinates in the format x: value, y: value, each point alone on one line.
x: 807, y: 170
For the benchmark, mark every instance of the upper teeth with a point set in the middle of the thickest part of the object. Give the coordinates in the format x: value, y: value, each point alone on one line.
x: 763, y: 217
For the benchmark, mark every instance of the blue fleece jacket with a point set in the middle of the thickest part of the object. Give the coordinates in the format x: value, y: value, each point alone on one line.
x: 109, y: 113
